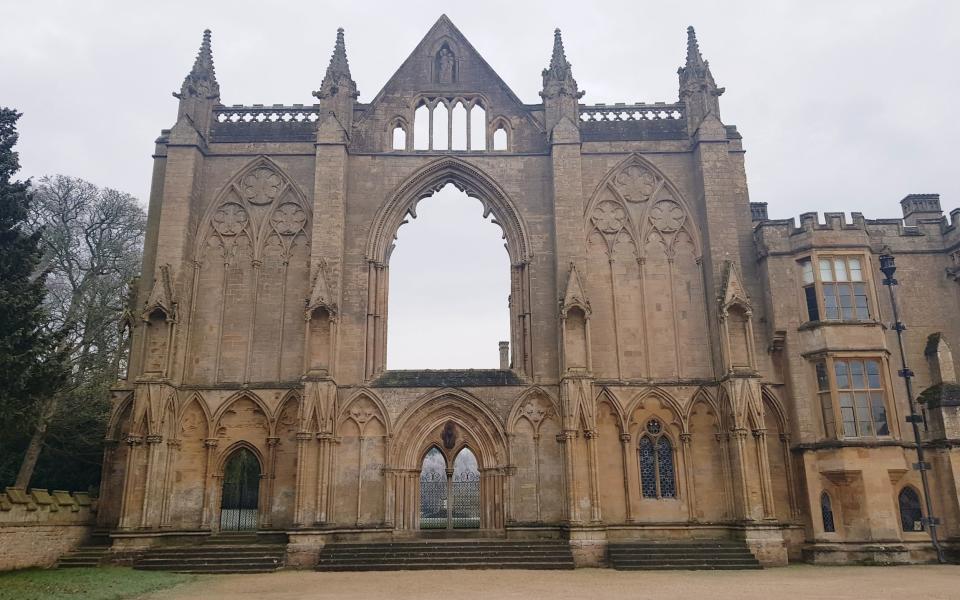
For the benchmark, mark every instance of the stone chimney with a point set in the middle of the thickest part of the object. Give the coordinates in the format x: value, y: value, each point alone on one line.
x: 504, y: 356
x: 918, y: 207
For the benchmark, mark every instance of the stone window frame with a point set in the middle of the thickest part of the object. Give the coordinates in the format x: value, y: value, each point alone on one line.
x: 813, y: 283
x: 828, y: 395
x: 449, y: 101
x: 654, y: 440
x: 919, y: 508
x: 826, y: 509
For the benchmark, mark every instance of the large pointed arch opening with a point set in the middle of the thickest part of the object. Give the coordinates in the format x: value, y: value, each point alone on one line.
x: 458, y: 178
x: 449, y: 288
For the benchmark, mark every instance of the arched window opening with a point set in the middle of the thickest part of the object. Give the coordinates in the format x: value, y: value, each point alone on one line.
x: 911, y: 516
x: 433, y: 490
x: 478, y: 128
x: 657, y: 473
x: 466, y: 491
x: 826, y: 512
x: 241, y: 492
x: 500, y: 138
x: 458, y: 131
x: 421, y: 128
x: 441, y: 127
x: 399, y: 138
x: 449, y: 287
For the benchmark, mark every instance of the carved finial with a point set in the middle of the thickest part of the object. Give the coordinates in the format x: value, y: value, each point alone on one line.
x: 558, y: 79
x: 697, y: 87
x: 337, y: 77
x: 693, y: 48
x: 559, y: 67
x: 201, y: 82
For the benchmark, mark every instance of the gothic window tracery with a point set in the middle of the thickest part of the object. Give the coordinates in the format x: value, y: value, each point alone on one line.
x: 657, y: 473
x: 449, y: 123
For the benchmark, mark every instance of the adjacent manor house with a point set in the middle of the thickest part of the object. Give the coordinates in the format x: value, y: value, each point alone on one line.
x: 679, y: 367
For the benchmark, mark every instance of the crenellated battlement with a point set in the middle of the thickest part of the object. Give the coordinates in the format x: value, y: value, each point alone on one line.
x: 838, y: 229
x: 42, y: 506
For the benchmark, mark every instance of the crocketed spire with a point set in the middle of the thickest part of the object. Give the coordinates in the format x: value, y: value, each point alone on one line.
x: 559, y: 67
x: 698, y: 90
x: 558, y: 78
x: 201, y: 82
x: 337, y: 77
x: 694, y: 58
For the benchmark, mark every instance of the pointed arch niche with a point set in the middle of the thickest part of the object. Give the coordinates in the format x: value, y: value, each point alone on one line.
x: 251, y: 275
x: 644, y: 277
x: 402, y: 206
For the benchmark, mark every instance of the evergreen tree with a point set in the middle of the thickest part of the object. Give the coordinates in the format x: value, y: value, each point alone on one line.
x: 30, y: 367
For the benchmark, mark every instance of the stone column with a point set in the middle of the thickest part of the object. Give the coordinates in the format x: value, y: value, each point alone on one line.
x: 210, y: 445
x: 688, y: 470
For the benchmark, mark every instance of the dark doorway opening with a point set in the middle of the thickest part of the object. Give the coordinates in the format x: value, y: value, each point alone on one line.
x: 241, y: 492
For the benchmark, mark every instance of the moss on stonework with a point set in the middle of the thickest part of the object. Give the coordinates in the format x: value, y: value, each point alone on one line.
x: 103, y: 583
x: 942, y: 394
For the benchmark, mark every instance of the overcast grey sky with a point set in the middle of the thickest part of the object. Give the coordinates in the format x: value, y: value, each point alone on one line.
x: 843, y: 105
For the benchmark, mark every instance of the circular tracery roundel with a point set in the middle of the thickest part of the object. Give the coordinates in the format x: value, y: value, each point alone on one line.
x: 230, y: 219
x: 654, y: 426
x: 261, y: 186
x: 609, y: 216
x: 635, y: 183
x: 666, y: 216
x: 288, y: 219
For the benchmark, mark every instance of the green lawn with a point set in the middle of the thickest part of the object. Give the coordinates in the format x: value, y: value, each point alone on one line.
x: 104, y: 583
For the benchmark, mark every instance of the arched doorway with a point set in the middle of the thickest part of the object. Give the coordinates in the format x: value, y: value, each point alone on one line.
x: 241, y: 492
x: 449, y: 497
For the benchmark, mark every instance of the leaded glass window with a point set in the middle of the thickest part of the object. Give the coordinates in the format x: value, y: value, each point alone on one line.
x: 657, y: 473
x: 852, y: 398
x: 826, y: 511
x: 835, y: 288
x: 911, y: 517
x: 648, y: 470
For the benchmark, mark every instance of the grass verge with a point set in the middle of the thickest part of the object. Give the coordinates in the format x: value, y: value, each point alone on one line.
x: 103, y: 583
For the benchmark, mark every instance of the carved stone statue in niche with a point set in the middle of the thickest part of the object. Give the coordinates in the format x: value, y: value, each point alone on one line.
x: 449, y: 435
x: 445, y: 66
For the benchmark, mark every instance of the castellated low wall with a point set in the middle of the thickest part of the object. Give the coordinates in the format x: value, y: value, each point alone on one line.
x: 37, y: 526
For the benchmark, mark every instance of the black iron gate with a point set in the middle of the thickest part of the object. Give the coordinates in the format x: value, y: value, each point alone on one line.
x: 241, y: 490
x: 433, y: 500
x: 449, y: 500
x: 466, y: 500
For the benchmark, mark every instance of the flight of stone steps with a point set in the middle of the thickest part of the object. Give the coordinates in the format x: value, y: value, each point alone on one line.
x: 446, y: 554
x: 84, y: 556
x: 694, y: 555
x: 220, y: 554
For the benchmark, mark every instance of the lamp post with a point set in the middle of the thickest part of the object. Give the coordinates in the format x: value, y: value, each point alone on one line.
x: 888, y: 267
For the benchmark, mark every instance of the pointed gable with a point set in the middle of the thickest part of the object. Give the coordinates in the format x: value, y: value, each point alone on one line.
x: 445, y: 67
x: 574, y: 296
x: 161, y: 296
x: 733, y: 291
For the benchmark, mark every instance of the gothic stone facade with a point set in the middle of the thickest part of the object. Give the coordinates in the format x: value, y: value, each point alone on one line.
x: 680, y: 366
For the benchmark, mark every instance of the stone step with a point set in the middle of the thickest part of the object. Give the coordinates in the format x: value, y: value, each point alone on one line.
x: 544, y: 566
x: 455, y: 554
x: 435, y: 555
x: 697, y: 567
x: 214, y: 558
x: 84, y: 556
x: 678, y: 556
x: 680, y: 551
x: 442, y: 559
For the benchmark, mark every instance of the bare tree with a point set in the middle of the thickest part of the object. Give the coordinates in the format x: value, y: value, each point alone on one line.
x: 92, y: 241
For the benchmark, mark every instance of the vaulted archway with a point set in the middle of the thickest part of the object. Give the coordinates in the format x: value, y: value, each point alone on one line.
x: 402, y: 205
